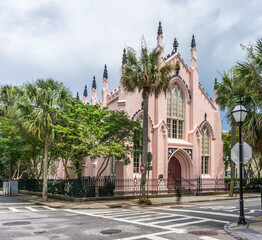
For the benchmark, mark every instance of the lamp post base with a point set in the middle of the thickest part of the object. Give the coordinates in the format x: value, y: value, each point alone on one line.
x: 241, y: 220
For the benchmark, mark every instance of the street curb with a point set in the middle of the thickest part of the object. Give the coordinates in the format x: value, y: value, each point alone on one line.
x: 135, y: 204
x: 226, y: 229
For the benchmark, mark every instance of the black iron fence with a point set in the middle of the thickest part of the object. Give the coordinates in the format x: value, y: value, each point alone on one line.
x: 84, y: 187
x: 1, y: 183
x: 108, y: 186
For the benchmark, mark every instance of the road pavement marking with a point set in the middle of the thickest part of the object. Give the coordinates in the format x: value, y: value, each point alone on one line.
x: 205, y: 212
x: 49, y: 208
x: 16, y: 203
x: 146, y: 218
x: 144, y: 214
x: 32, y: 209
x: 207, y: 238
x: 154, y: 236
x: 188, y: 223
x: 125, y: 214
x: 170, y: 220
x: 13, y: 209
x: 124, y: 220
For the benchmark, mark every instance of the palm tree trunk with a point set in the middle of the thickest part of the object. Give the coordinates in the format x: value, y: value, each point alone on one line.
x: 45, y: 198
x: 145, y: 142
x: 233, y: 165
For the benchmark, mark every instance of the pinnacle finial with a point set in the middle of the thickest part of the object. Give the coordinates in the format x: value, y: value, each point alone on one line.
x: 159, y: 31
x: 124, y: 58
x: 94, y: 83
x: 85, y: 91
x: 175, y: 46
x: 77, y: 96
x: 193, y: 42
x: 105, y: 75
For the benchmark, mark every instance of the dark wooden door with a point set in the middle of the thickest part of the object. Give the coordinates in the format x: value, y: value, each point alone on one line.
x: 174, y: 170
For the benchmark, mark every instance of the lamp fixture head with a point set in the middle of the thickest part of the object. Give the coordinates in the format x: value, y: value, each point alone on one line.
x: 239, y: 112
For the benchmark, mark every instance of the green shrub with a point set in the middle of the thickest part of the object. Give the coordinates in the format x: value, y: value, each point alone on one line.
x: 145, y: 201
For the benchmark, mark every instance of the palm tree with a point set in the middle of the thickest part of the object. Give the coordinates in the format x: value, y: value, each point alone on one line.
x: 7, y: 96
x: 250, y: 72
x: 227, y: 93
x: 33, y: 113
x: 146, y: 75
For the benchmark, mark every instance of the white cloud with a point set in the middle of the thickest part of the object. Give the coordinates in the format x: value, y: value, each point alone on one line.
x: 72, y: 40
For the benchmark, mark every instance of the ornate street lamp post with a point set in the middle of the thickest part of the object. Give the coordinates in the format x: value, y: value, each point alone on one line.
x: 239, y: 113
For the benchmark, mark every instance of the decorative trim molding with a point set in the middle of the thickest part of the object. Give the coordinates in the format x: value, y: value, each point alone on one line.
x: 182, y: 80
x: 187, y: 150
x: 205, y: 122
x: 171, y: 151
x: 137, y: 113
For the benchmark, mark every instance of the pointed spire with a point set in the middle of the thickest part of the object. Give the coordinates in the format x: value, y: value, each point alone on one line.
x: 94, y: 83
x: 85, y: 91
x: 175, y: 46
x: 193, y: 42
x: 77, y: 96
x: 124, y: 58
x: 159, y: 31
x: 105, y: 75
x: 215, y: 83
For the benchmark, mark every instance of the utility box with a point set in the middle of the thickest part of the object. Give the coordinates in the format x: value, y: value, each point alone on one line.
x: 10, y: 188
x: 6, y: 188
x: 13, y: 188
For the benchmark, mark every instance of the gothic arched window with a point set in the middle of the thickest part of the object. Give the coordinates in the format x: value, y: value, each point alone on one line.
x: 205, y: 159
x: 175, y: 112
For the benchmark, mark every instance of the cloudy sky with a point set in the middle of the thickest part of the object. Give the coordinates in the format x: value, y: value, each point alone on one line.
x: 71, y: 40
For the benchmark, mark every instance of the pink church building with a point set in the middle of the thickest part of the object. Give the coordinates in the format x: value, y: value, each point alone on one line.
x: 185, y: 125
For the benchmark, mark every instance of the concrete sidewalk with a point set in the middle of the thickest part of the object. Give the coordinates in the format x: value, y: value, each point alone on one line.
x: 251, y: 231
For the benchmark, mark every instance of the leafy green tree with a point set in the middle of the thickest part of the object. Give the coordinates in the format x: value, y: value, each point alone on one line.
x: 88, y: 130
x: 7, y: 99
x: 147, y: 75
x: 33, y: 113
x: 116, y: 140
x: 226, y: 137
x: 16, y: 149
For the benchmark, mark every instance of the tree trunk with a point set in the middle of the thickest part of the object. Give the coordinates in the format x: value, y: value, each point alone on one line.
x: 45, y: 198
x: 99, y: 173
x: 145, y: 141
x: 233, y: 165
x: 65, y: 167
x: 10, y: 169
x: 96, y: 187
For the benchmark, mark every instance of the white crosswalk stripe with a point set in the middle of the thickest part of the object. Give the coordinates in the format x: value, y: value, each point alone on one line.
x: 26, y: 208
x: 167, y: 222
x: 231, y: 209
x: 32, y: 209
x: 13, y: 209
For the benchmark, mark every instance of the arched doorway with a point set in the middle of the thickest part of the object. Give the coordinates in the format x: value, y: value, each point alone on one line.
x: 174, y: 170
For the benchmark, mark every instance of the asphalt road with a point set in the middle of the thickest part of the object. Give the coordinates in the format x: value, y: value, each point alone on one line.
x: 20, y: 220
